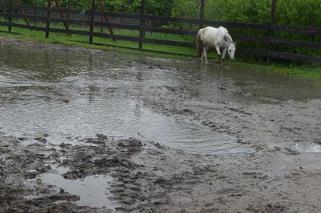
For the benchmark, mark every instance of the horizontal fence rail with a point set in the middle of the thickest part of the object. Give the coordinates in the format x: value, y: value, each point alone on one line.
x: 92, y: 19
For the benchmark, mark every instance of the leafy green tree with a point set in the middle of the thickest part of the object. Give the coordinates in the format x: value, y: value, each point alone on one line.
x: 185, y: 8
x: 300, y: 13
x: 159, y: 7
x: 290, y: 12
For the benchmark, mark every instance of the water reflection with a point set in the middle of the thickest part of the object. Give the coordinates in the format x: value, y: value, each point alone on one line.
x: 70, y: 95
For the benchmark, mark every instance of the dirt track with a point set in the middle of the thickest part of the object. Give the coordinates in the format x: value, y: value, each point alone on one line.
x: 280, y: 173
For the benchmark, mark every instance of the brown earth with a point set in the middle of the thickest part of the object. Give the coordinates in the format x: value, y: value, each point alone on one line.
x: 274, y: 177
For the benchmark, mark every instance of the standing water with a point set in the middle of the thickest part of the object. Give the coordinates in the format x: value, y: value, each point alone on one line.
x: 72, y: 96
x: 67, y: 95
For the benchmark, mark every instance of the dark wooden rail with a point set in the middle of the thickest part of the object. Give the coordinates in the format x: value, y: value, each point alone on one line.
x: 267, y: 32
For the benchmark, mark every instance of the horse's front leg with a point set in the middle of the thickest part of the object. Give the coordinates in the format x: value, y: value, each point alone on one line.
x: 218, y: 53
x: 223, y: 53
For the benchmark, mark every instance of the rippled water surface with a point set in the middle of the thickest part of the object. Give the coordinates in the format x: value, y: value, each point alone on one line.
x: 69, y: 95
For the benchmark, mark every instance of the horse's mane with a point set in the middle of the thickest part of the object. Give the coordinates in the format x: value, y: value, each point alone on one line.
x: 223, y: 29
x: 228, y: 38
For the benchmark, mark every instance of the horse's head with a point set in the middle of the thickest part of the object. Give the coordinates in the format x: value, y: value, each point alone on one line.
x: 231, y: 50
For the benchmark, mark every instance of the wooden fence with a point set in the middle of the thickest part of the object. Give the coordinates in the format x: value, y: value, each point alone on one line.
x: 93, y: 18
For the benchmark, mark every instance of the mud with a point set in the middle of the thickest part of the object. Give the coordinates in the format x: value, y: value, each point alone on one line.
x: 274, y: 135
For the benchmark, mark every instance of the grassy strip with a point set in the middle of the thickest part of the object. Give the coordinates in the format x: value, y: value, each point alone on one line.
x: 103, y: 43
x: 311, y: 72
x: 302, y: 72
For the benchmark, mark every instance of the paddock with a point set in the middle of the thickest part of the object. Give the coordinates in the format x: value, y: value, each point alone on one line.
x: 91, y: 130
x: 120, y: 116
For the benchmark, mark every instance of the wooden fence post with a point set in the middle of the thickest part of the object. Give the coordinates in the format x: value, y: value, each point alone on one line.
x: 101, y: 22
x: 68, y: 13
x: 9, y: 16
x: 273, y: 21
x: 35, y: 14
x: 142, y: 24
x: 273, y: 12
x: 48, y: 17
x: 92, y: 21
x: 273, y: 18
x: 202, y: 13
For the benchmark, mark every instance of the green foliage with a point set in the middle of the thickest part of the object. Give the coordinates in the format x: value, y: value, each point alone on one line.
x: 290, y: 12
x: 298, y: 12
x: 35, y: 2
x: 185, y: 9
x: 75, y: 4
x: 129, y: 6
x: 159, y: 7
x: 155, y: 7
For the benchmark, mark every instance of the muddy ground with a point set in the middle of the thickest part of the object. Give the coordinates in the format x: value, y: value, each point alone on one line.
x: 280, y: 173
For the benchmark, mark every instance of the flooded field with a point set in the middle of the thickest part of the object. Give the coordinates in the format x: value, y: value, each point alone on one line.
x: 91, y: 131
x: 70, y: 96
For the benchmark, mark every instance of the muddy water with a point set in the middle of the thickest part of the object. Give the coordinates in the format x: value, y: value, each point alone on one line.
x: 52, y: 96
x: 93, y: 191
x: 68, y: 96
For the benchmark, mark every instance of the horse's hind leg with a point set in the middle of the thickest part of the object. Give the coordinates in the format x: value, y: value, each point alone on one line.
x: 205, y: 54
x: 202, y: 55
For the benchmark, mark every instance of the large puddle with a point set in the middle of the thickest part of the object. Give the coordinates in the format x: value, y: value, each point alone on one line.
x: 69, y: 96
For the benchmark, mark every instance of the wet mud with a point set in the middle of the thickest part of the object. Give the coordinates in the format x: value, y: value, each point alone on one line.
x: 157, y: 135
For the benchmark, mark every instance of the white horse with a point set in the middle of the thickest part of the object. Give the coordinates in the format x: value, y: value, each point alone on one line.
x: 218, y: 38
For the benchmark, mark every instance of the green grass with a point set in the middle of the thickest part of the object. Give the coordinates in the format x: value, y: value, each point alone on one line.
x: 166, y: 51
x: 103, y: 43
x: 304, y: 72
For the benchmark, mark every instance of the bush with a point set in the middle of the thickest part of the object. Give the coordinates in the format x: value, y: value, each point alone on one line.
x: 289, y: 12
x: 299, y: 13
x: 185, y: 9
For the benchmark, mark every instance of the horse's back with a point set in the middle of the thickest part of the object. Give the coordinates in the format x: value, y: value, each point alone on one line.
x: 206, y: 31
x: 213, y: 31
x: 210, y: 35
x: 223, y: 30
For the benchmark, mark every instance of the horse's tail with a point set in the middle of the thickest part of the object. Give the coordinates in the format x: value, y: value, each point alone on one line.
x: 199, y: 45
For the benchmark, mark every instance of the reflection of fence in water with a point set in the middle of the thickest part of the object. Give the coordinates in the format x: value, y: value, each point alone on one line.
x: 264, y: 41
